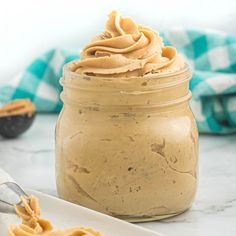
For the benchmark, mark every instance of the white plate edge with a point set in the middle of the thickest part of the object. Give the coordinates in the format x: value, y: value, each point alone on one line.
x: 35, y: 192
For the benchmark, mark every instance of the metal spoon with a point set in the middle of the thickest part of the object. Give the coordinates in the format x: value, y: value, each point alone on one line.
x: 10, y: 195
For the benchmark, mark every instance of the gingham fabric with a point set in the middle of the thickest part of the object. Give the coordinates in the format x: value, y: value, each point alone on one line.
x: 40, y: 81
x: 211, y: 55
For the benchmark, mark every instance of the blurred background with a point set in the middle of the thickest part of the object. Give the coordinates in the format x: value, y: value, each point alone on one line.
x: 30, y: 27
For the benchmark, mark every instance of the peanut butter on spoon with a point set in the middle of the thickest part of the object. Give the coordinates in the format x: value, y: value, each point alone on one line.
x: 127, y: 49
x: 32, y: 224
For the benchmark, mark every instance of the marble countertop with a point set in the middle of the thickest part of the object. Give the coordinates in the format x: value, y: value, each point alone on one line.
x: 30, y: 161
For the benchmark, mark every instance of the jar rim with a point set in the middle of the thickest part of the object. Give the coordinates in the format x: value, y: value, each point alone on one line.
x: 129, y: 89
x: 129, y: 84
x: 186, y: 68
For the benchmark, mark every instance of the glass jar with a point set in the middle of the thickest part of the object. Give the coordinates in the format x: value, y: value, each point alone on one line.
x: 127, y: 147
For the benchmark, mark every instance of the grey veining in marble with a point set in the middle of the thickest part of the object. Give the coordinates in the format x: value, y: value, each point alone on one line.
x: 30, y: 161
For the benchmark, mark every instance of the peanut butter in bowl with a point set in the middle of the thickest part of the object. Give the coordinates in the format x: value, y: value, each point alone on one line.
x: 126, y: 138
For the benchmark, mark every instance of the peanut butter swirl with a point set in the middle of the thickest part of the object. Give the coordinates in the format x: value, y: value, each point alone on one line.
x: 32, y: 224
x: 127, y: 49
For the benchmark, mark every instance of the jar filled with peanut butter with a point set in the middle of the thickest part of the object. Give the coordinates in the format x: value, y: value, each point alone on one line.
x: 127, y: 143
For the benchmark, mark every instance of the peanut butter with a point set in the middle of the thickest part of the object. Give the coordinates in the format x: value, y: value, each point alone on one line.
x: 127, y: 49
x: 126, y: 139
x: 32, y: 224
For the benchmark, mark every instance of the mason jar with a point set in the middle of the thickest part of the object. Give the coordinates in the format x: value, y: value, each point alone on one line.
x: 127, y: 147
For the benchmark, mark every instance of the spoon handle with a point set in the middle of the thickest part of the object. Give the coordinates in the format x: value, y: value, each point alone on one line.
x: 10, y: 195
x: 15, y: 188
x: 6, y: 208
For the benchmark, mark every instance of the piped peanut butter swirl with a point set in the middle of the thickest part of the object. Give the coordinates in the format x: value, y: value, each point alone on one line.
x: 127, y: 49
x: 29, y: 212
x: 33, y: 225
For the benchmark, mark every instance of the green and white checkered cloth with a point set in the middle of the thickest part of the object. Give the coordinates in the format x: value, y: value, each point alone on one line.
x: 211, y: 54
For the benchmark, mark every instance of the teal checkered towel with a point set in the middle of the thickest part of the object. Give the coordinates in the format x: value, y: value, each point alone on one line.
x: 211, y: 54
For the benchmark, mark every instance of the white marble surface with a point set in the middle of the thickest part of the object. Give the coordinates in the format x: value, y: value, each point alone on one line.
x: 30, y: 161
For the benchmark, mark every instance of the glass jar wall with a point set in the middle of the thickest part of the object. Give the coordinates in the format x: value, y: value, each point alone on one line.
x: 127, y: 147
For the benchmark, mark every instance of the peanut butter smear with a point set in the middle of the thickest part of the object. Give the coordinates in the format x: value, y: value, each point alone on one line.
x: 18, y: 107
x: 32, y: 224
x: 127, y: 49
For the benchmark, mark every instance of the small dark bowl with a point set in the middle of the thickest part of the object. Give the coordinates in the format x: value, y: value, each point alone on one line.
x: 13, y: 126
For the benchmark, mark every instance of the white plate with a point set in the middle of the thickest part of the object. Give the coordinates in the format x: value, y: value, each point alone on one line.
x: 64, y: 214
